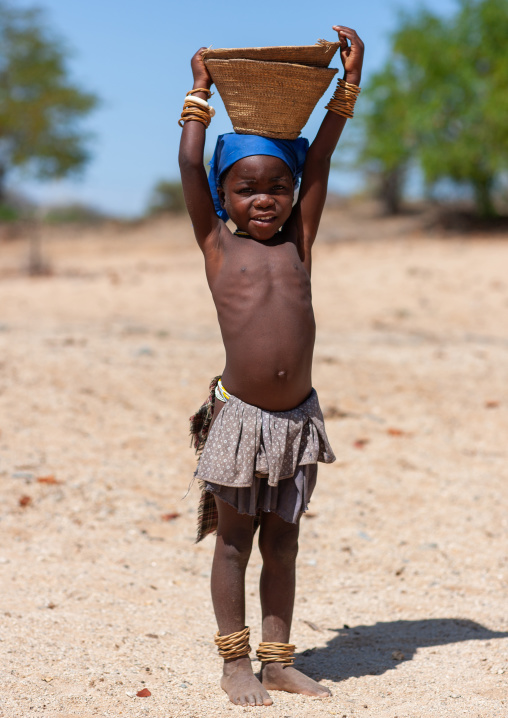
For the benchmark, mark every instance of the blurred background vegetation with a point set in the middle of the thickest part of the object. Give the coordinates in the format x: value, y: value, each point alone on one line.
x: 438, y: 107
x: 441, y: 102
x: 166, y: 196
x: 40, y: 108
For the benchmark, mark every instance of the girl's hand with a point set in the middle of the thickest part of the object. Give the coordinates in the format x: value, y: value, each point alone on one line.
x: 351, y: 54
x: 202, y: 77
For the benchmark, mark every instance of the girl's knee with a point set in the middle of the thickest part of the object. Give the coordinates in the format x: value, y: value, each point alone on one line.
x: 235, y: 547
x: 235, y: 534
x: 279, y: 547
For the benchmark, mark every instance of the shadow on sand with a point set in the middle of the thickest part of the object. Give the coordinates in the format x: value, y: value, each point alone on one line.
x: 368, y: 650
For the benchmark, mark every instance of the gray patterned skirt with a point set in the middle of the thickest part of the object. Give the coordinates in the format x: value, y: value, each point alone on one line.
x: 257, y: 460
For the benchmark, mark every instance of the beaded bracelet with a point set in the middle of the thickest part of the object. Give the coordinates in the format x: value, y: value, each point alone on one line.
x: 200, y: 103
x: 201, y: 89
x: 344, y: 99
x: 195, y: 108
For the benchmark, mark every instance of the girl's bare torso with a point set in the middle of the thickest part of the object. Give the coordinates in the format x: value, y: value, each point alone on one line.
x: 263, y: 298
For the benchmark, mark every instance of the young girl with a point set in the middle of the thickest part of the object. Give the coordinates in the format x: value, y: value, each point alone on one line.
x: 259, y: 462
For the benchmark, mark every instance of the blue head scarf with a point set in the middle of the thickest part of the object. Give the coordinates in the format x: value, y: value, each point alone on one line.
x: 232, y: 147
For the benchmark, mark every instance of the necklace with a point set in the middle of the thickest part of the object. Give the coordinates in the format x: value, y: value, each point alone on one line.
x: 241, y: 233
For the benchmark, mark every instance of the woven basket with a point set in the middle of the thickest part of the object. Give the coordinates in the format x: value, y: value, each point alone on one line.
x: 272, y: 99
x: 319, y: 55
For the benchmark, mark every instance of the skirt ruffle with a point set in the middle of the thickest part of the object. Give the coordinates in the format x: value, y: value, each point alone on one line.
x: 289, y: 499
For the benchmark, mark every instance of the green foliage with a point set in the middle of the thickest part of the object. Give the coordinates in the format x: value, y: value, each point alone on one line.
x: 74, y: 213
x: 40, y: 107
x: 441, y: 99
x: 388, y: 142
x: 8, y: 213
x: 16, y: 207
x: 166, y: 196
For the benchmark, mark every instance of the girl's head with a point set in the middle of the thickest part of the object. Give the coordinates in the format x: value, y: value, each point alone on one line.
x: 257, y: 193
x: 252, y: 180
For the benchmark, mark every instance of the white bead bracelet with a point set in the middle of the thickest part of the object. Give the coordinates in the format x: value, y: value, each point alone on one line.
x: 202, y: 103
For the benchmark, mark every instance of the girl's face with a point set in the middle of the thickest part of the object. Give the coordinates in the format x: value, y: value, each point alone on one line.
x: 257, y: 194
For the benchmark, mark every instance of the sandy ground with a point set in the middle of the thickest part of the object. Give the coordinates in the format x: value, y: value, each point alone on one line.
x: 402, y: 605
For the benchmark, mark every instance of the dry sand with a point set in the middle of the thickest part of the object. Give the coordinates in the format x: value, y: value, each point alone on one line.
x: 402, y: 596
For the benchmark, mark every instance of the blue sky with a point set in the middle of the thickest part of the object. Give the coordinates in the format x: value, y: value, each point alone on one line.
x: 135, y: 55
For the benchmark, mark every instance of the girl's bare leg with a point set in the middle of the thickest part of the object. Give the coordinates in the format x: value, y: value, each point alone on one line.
x: 278, y: 543
x: 232, y: 551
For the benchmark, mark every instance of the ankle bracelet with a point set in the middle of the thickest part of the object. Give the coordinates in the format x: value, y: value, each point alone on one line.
x: 271, y: 652
x: 234, y: 645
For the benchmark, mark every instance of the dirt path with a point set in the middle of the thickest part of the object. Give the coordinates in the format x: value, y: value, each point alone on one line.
x: 403, y: 567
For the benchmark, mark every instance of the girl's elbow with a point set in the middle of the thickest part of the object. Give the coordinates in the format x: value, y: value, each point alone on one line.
x: 321, y: 154
x: 188, y: 162
x: 183, y: 159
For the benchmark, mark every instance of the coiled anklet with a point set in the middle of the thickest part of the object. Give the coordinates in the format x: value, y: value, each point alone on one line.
x: 235, y: 645
x: 271, y: 652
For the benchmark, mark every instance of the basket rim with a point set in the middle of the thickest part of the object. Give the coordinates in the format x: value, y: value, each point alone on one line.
x: 316, y: 47
x: 307, y: 68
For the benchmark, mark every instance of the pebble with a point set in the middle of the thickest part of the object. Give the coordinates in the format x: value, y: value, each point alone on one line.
x: 26, y: 475
x: 365, y: 536
x: 144, y: 351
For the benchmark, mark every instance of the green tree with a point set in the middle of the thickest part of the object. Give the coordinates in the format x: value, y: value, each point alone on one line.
x: 446, y: 98
x: 40, y: 106
x: 166, y: 196
x: 386, y: 144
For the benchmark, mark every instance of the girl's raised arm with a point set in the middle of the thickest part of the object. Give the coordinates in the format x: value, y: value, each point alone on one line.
x: 194, y: 180
x: 312, y: 196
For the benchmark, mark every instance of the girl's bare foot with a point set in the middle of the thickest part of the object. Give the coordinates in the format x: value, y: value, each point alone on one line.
x: 278, y: 677
x: 241, y: 685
